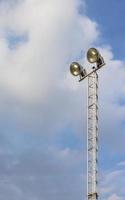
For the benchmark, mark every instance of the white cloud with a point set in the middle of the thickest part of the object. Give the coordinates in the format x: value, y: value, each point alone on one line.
x: 37, y: 93
x: 115, y: 197
x: 48, y: 175
x: 33, y: 73
x: 35, y: 100
x: 112, y: 184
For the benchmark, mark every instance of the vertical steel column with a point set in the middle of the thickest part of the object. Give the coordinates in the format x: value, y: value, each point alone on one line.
x: 92, y: 137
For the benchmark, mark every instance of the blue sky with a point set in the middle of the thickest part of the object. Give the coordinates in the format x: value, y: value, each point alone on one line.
x: 110, y: 16
x: 43, y: 108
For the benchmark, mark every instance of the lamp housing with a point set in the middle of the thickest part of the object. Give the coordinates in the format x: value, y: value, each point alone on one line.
x: 77, y: 69
x: 94, y: 56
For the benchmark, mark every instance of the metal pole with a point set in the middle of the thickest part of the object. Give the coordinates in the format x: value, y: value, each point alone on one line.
x: 92, y: 137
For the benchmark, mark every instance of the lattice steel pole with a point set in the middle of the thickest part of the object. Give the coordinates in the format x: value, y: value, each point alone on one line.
x: 76, y: 69
x: 92, y: 137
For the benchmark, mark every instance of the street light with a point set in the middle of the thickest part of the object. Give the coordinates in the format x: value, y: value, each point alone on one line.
x: 76, y: 69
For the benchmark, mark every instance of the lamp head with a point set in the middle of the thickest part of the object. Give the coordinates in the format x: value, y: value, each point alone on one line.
x: 75, y: 69
x: 93, y: 55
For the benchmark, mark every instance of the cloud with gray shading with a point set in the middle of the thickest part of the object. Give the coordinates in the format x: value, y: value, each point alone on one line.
x: 39, y: 98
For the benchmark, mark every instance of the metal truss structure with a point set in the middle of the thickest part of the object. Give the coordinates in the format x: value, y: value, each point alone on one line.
x: 92, y: 137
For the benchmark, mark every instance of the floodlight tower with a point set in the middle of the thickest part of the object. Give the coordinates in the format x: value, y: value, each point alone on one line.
x: 76, y: 69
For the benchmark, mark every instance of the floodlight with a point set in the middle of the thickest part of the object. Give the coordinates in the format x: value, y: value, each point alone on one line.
x: 75, y: 69
x: 93, y: 55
